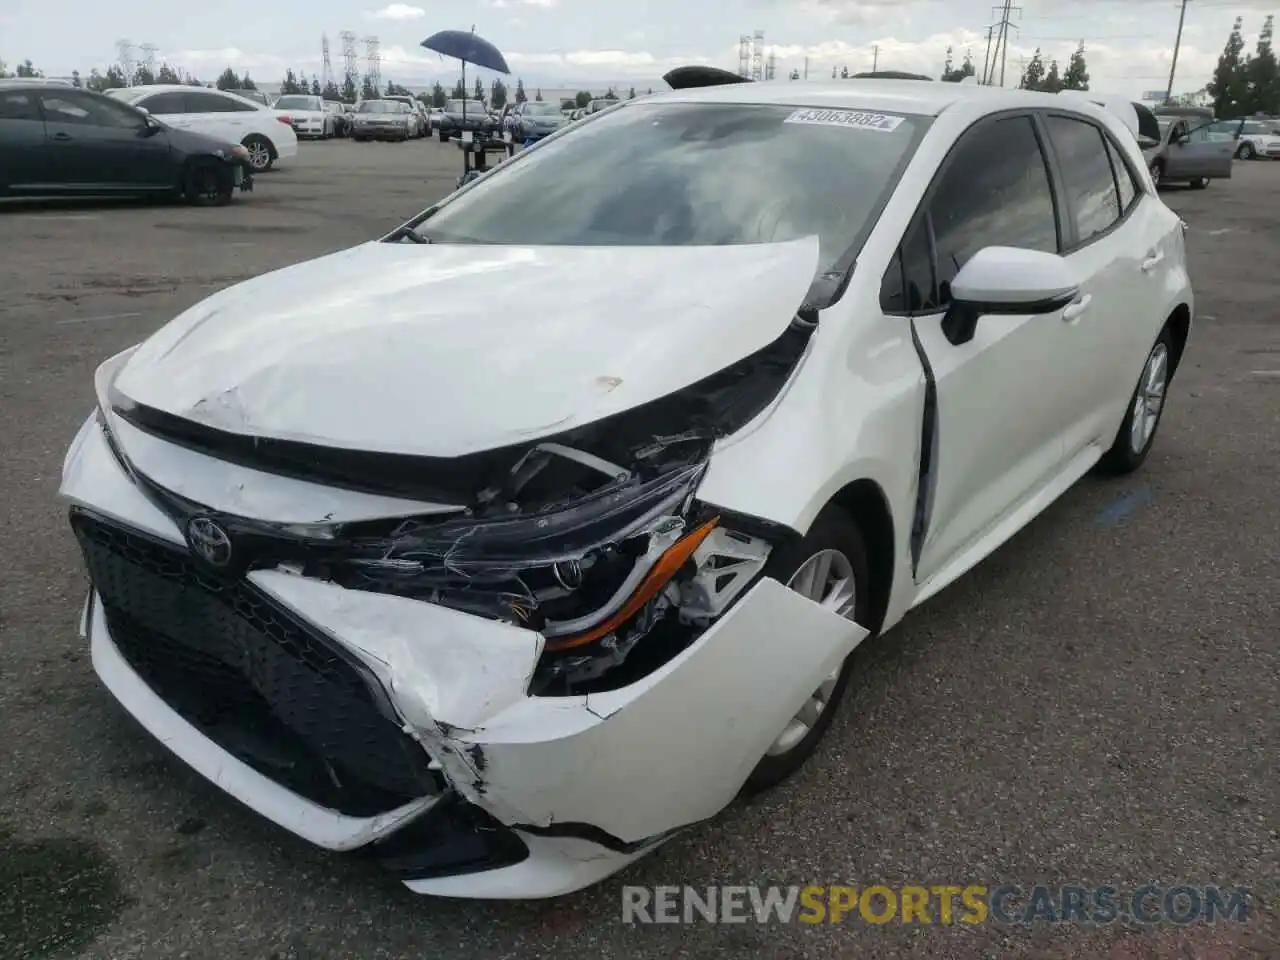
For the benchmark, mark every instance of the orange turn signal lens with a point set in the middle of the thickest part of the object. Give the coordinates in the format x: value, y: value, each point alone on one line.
x: 655, y: 580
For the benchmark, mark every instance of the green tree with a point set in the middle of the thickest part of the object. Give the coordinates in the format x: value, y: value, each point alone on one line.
x: 438, y: 95
x: 479, y: 90
x: 650, y: 91
x: 349, y: 89
x: 631, y: 94
x: 967, y: 69
x: 953, y: 74
x: 1077, y: 75
x: 459, y: 91
x: 193, y: 82
x: 167, y: 74
x: 227, y: 80
x: 368, y: 91
x: 537, y: 97
x: 143, y: 77
x: 1033, y: 77
x: 3, y: 72
x: 844, y: 73
x: 521, y: 96
x: 27, y: 69
x: 290, y: 83
x: 114, y: 78
x: 1053, y: 79
x: 583, y: 98
x: 246, y: 82
x: 315, y: 86
x: 1229, y: 83
x: 95, y: 81
x: 75, y: 79
x: 611, y: 94
x: 497, y: 94
x: 1262, y: 78
x: 331, y: 91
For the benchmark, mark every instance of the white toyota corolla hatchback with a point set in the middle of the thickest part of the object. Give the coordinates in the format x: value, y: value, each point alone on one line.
x: 510, y: 595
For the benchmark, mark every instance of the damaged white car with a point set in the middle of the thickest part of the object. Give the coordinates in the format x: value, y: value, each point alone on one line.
x: 508, y: 597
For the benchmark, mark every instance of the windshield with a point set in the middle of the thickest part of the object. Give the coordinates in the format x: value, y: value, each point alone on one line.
x: 298, y: 103
x: 1255, y: 128
x: 378, y: 106
x: 542, y: 110
x: 127, y: 94
x: 692, y: 174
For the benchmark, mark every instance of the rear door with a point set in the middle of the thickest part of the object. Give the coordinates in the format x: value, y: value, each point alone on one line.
x: 1110, y: 239
x: 97, y: 144
x: 218, y: 116
x: 23, y: 151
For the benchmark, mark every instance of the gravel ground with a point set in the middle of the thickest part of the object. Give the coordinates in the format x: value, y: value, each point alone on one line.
x: 1096, y: 704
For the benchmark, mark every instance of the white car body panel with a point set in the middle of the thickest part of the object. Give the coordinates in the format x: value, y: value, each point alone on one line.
x: 408, y: 332
x: 306, y: 123
x: 234, y: 126
x: 242, y: 359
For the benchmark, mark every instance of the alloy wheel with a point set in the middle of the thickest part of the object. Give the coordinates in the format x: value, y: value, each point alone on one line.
x: 259, y: 156
x: 827, y: 579
x: 1149, y: 400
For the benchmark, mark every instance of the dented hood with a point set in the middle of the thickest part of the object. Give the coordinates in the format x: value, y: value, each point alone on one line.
x: 443, y: 350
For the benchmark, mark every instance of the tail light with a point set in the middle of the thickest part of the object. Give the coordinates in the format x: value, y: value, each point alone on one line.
x: 285, y: 120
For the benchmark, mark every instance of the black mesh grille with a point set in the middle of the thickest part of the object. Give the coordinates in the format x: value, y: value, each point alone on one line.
x: 253, y: 678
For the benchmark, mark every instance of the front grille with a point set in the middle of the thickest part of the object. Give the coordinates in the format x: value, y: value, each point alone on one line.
x: 257, y: 681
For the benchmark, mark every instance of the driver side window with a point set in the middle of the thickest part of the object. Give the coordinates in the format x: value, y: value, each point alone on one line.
x: 994, y: 191
x: 87, y: 110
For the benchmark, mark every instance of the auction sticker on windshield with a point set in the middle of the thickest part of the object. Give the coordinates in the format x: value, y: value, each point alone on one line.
x: 857, y: 119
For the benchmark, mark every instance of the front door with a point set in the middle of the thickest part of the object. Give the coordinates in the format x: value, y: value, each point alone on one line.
x: 97, y: 144
x: 1204, y: 151
x: 1003, y: 396
x: 23, y: 152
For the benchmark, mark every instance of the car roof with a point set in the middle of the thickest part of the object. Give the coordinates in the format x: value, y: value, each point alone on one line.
x: 924, y: 98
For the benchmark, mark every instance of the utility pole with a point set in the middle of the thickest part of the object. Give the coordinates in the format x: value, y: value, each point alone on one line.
x: 986, y: 61
x: 875, y: 57
x: 1173, y: 67
x: 806, y: 68
x: 1002, y: 44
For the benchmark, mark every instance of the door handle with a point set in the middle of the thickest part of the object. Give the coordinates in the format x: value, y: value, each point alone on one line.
x: 1152, y: 261
x: 60, y: 137
x: 1077, y: 308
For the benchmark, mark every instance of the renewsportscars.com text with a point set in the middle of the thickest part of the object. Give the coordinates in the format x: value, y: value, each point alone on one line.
x: 936, y: 904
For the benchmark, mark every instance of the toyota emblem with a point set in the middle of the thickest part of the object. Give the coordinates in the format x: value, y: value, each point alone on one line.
x: 209, y: 542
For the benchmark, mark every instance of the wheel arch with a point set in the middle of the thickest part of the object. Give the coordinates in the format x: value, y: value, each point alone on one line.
x: 271, y: 144
x: 1179, y: 326
x: 865, y: 502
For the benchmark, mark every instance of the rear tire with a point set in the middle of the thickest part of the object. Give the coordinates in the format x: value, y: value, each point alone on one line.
x: 444, y: 137
x: 1246, y: 151
x: 207, y: 184
x: 1157, y: 172
x: 1199, y: 183
x: 1141, y: 422
x: 834, y: 534
x: 262, y: 155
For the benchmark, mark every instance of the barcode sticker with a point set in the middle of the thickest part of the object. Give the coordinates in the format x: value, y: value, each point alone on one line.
x: 854, y: 119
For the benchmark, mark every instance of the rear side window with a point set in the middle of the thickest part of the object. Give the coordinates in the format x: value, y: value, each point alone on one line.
x: 164, y: 104
x: 1126, y: 182
x: 212, y: 103
x: 1087, y: 175
x: 994, y: 192
x: 17, y: 105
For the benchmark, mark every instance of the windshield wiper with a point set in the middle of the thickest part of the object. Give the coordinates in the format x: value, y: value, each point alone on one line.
x: 401, y: 233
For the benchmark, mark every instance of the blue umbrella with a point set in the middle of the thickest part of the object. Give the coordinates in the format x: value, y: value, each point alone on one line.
x: 467, y: 47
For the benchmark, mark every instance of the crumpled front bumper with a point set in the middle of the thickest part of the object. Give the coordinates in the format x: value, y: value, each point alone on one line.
x: 538, y: 796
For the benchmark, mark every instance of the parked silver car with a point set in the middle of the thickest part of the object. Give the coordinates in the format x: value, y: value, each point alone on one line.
x: 1190, y: 153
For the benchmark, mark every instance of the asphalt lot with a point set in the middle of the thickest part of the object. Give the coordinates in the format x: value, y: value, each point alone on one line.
x: 1099, y: 703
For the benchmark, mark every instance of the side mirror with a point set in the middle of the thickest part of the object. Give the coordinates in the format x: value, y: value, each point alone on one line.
x: 1007, y: 281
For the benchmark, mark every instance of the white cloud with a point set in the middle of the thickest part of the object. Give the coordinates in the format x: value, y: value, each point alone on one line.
x: 396, y: 11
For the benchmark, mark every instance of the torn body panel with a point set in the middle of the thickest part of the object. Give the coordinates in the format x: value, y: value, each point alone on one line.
x: 621, y: 761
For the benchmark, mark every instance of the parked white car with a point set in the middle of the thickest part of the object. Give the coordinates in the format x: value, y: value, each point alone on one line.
x: 1259, y: 139
x: 218, y: 113
x: 511, y: 597
x: 308, y: 116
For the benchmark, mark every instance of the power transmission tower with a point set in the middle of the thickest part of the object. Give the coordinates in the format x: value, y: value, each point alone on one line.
x: 1173, y: 67
x: 1004, y: 24
x: 744, y: 55
x: 326, y: 65
x: 124, y: 52
x: 373, y: 62
x: 875, y: 57
x: 351, y: 59
x: 757, y: 55
x: 149, y: 51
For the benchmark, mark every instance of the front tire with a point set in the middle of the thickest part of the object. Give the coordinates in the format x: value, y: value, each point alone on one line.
x: 829, y: 565
x: 1246, y: 151
x: 1199, y: 183
x: 1137, y: 431
x: 206, y: 184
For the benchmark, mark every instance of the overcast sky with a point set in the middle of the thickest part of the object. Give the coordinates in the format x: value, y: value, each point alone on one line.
x: 566, y: 43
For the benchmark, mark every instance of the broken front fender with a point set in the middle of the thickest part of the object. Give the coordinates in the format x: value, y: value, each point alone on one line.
x: 635, y: 763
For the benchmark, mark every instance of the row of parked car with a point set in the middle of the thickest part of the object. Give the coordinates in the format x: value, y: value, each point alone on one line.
x: 1195, y: 148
